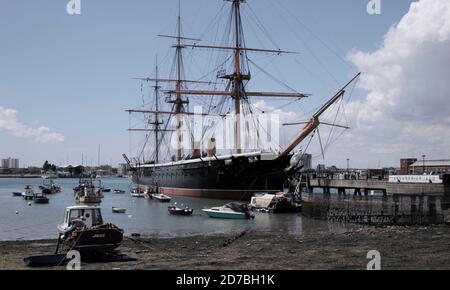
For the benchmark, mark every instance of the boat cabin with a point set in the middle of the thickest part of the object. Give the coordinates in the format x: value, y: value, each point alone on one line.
x: 88, y: 216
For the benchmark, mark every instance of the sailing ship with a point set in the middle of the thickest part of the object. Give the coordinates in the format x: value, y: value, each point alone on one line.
x: 236, y: 175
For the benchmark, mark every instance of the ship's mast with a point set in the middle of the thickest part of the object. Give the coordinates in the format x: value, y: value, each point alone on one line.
x: 237, y: 82
x: 156, y: 123
x: 237, y: 77
x: 179, y: 102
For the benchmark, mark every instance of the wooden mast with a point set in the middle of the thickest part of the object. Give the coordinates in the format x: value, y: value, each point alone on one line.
x: 157, y: 123
x: 314, y: 122
x: 236, y: 78
x: 179, y: 102
x: 237, y: 75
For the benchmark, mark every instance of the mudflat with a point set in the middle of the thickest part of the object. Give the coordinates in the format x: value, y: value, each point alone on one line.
x: 400, y: 248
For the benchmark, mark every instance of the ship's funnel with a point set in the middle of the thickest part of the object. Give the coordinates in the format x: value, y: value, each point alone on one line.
x: 196, y: 150
x: 211, y: 147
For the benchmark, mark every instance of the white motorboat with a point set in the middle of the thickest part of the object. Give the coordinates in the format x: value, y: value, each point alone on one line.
x: 28, y: 194
x: 160, y: 197
x: 232, y: 210
x: 118, y: 210
x: 49, y: 175
x: 136, y: 192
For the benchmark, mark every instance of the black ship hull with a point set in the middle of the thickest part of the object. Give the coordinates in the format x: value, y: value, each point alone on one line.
x: 235, y: 178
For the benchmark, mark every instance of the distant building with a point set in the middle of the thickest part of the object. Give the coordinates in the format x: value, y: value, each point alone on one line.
x: 405, y: 164
x: 321, y: 167
x: 15, y: 163
x: 428, y: 166
x: 306, y: 161
x: 123, y: 169
x: 10, y: 163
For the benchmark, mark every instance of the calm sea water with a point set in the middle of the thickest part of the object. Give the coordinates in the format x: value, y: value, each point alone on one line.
x: 147, y: 217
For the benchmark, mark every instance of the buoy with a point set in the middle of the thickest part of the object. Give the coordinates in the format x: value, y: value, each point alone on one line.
x: 29, y: 204
x: 17, y: 212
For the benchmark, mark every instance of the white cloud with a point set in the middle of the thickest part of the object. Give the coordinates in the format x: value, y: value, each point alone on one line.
x: 408, y: 82
x: 9, y: 123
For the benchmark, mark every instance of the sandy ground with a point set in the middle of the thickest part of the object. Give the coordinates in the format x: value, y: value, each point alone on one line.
x: 400, y: 248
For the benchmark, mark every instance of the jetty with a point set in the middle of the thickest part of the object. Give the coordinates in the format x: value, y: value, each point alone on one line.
x: 360, y: 186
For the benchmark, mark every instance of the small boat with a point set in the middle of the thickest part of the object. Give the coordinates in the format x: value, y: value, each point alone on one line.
x: 28, y: 194
x: 136, y: 192
x: 119, y: 191
x: 175, y: 210
x: 17, y: 194
x: 46, y: 260
x: 40, y: 198
x: 49, y: 175
x: 160, y: 197
x: 280, y: 202
x: 49, y: 186
x: 233, y: 210
x: 105, y: 189
x: 86, y: 192
x: 118, y: 210
x: 83, y: 229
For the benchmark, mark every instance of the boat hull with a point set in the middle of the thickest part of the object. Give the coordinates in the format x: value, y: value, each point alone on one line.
x: 118, y: 210
x: 225, y: 215
x: 41, y: 200
x: 90, y: 199
x: 179, y: 211
x: 235, y: 179
x: 102, y: 239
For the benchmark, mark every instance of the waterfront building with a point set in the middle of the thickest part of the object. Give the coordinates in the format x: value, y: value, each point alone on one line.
x: 430, y: 166
x: 405, y: 164
x: 10, y: 163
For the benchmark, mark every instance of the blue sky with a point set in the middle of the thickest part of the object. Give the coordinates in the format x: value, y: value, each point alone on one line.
x: 73, y: 73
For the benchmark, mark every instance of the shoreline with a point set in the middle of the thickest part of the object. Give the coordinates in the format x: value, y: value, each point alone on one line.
x: 20, y: 176
x: 400, y: 248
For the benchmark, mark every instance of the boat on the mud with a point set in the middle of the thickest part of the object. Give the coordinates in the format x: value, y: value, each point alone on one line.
x: 41, y: 198
x: 28, y: 194
x: 175, y: 210
x: 83, y: 229
x: 118, y: 210
x: 232, y: 210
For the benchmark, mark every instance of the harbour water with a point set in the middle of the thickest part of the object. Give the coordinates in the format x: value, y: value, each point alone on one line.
x: 19, y: 221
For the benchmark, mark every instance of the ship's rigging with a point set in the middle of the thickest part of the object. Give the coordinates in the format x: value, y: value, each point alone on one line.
x: 236, y: 90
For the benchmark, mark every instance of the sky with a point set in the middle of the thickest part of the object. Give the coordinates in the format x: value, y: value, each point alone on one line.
x: 66, y: 80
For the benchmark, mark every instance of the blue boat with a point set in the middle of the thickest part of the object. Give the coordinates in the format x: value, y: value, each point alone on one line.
x: 232, y: 210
